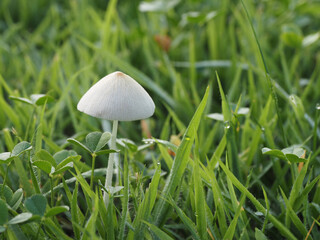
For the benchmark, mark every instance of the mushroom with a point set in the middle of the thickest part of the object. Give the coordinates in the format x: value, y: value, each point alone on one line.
x: 116, y: 97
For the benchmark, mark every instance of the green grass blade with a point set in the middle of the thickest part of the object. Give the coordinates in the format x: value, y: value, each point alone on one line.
x: 24, y: 180
x: 297, y: 186
x: 192, y: 69
x: 185, y: 219
x: 315, y: 127
x: 100, y: 172
x: 75, y: 212
x: 226, y: 111
x: 218, y: 200
x: 305, y: 192
x: 57, y: 231
x: 232, y: 149
x: 267, y: 207
x: 5, y: 86
x: 110, y: 220
x: 90, y: 226
x: 165, y: 155
x: 33, y: 173
x: 282, y: 229
x: 38, y: 135
x: 235, y: 205
x: 125, y: 200
x: 180, y: 162
x: 145, y: 208
x: 11, y: 114
x: 158, y: 232
x: 104, y: 213
x: 200, y: 202
x: 9, y: 143
x: 258, y: 234
x: 295, y: 219
x: 84, y: 184
x: 218, y: 152
x: 257, y: 133
x: 270, y: 83
x: 232, y: 227
x: 176, y: 120
x: 109, y: 15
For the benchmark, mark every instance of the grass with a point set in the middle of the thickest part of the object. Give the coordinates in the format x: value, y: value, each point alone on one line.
x: 232, y: 151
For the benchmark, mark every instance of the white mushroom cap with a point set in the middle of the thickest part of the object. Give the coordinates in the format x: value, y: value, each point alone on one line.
x: 117, y: 96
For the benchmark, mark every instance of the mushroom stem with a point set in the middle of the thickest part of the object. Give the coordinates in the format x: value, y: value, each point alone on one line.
x: 108, y: 183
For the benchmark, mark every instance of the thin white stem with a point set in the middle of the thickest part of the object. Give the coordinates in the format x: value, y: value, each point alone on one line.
x: 108, y: 183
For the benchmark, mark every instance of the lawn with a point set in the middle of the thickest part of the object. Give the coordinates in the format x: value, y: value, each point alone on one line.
x: 231, y: 152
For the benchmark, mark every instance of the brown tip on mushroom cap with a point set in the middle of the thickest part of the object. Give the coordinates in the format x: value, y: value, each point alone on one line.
x: 118, y: 73
x: 117, y: 96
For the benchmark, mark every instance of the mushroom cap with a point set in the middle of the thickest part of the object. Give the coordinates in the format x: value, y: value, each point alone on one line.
x: 117, y: 96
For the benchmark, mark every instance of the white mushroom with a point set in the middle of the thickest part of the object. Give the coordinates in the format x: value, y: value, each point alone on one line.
x: 116, y: 97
